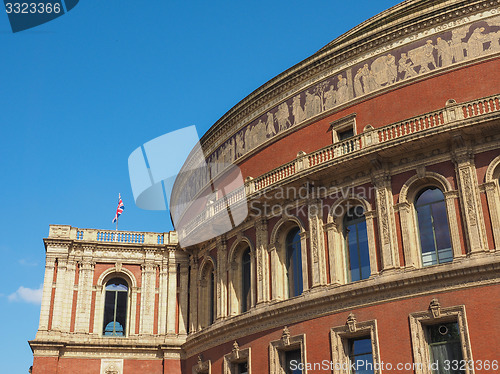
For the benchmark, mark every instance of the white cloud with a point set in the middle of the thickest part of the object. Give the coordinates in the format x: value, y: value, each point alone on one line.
x: 26, y: 262
x: 27, y: 295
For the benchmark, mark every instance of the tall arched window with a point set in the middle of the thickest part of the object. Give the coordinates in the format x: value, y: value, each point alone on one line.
x: 245, y: 280
x: 356, y: 245
x: 115, y: 307
x: 434, y: 232
x: 294, y: 263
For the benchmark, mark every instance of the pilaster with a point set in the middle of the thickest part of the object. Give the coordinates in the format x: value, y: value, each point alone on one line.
x: 469, y: 197
x: 317, y: 245
x: 385, y: 217
x: 221, y: 279
x: 262, y: 261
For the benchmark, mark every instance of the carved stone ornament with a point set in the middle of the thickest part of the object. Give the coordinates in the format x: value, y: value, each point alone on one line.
x: 201, y: 366
x: 285, y: 336
x: 236, y: 351
x: 435, y: 308
x: 111, y: 369
x: 118, y: 266
x: 351, y: 322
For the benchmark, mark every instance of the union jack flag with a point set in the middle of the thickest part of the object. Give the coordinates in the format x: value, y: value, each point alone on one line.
x: 120, y: 208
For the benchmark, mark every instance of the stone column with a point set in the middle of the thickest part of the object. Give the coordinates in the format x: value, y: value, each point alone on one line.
x: 317, y: 243
x: 305, y: 269
x: 336, y: 253
x: 386, y: 222
x: 221, y: 279
x: 277, y: 274
x: 68, y: 304
x: 469, y: 198
x: 146, y: 321
x: 47, y: 293
x: 262, y: 261
x: 183, y: 297
x: 59, y: 297
x: 491, y: 189
x: 162, y: 298
x: 193, y: 294
x: 172, y: 293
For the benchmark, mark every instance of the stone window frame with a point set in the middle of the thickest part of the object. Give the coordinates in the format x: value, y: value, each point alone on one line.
x: 204, y: 293
x: 340, y: 337
x: 277, y: 249
x: 202, y: 367
x: 278, y: 348
x: 408, y: 215
x: 345, y: 123
x: 435, y: 315
x: 334, y: 230
x: 118, y: 271
x: 237, y: 356
x: 235, y: 275
x: 492, y: 187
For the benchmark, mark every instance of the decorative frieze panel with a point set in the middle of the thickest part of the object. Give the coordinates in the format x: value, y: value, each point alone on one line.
x: 429, y: 51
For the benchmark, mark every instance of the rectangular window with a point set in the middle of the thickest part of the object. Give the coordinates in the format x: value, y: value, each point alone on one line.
x: 360, y: 354
x: 445, y: 347
x: 292, y: 361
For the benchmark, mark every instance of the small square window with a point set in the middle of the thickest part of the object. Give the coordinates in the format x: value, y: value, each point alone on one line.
x: 343, y: 128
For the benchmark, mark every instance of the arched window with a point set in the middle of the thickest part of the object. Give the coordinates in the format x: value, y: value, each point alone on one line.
x: 434, y: 232
x: 294, y: 263
x: 245, y: 280
x: 115, y: 307
x: 356, y: 245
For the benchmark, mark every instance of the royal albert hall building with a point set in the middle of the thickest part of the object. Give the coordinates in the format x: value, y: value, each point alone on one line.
x: 370, y: 241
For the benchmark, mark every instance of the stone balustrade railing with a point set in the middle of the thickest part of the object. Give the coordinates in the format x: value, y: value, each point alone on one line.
x: 112, y: 236
x: 452, y: 112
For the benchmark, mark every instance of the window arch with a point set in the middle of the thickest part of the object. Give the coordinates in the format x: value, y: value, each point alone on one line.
x: 241, y: 276
x: 115, y: 307
x: 207, y: 288
x: 415, y: 230
x: 356, y: 248
x: 293, y: 264
x: 433, y: 228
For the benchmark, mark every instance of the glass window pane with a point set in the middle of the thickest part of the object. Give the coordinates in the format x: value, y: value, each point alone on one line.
x: 294, y: 263
x: 425, y: 229
x: 440, y: 220
x: 292, y: 360
x: 246, y: 280
x: 360, y: 353
x: 242, y: 368
x: 429, y: 195
x: 444, y: 341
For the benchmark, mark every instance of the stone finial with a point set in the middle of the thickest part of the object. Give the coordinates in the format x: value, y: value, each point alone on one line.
x: 236, y: 350
x: 200, y: 359
x: 351, y: 322
x: 435, y: 308
x: 285, y: 336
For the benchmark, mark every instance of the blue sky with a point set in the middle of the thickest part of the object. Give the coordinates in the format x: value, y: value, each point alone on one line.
x: 80, y: 93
